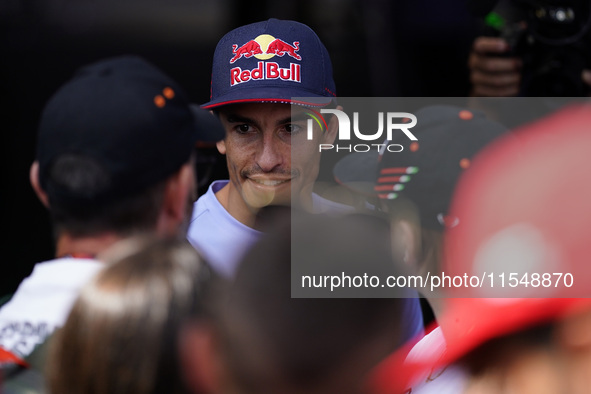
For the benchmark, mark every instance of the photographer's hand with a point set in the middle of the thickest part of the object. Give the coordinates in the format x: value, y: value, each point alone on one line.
x: 491, y: 74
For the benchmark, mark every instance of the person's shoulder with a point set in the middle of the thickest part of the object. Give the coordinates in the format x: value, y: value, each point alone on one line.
x: 209, y: 215
x: 216, y: 234
x: 208, y: 201
x: 65, y: 271
x: 42, y: 302
x: 62, y: 271
x: 49, y: 289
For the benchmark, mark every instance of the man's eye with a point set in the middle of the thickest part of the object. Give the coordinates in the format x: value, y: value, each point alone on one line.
x: 292, y: 128
x: 243, y: 128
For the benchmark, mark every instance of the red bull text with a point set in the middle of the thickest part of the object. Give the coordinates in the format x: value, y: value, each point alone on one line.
x: 264, y: 71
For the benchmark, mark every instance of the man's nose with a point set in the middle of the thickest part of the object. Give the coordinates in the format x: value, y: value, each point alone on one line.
x: 270, y: 154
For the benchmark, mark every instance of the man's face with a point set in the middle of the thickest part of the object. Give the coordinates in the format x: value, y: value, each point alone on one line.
x: 268, y: 154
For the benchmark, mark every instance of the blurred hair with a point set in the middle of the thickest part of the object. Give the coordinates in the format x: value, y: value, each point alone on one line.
x: 272, y: 342
x: 73, y: 186
x: 121, y: 334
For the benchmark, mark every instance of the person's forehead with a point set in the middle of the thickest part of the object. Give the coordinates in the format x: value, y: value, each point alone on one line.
x: 261, y: 109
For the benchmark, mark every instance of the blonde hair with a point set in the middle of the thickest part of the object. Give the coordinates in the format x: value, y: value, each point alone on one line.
x: 121, y: 334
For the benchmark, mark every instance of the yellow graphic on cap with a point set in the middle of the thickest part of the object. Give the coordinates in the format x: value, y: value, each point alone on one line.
x: 264, y: 40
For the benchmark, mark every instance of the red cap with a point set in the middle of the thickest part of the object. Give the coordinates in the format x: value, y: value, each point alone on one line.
x: 524, y: 208
x: 467, y: 324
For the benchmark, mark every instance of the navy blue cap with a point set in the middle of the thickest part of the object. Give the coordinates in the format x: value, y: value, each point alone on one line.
x: 271, y: 61
x: 130, y: 118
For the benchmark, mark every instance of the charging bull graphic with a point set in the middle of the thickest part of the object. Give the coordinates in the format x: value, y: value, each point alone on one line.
x: 249, y: 49
x: 265, y: 47
x: 280, y: 48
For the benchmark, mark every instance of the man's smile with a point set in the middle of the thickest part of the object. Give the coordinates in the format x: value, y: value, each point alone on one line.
x: 269, y: 181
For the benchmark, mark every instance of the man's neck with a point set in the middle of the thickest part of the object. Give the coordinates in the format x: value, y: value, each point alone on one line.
x: 235, y: 205
x: 84, y: 246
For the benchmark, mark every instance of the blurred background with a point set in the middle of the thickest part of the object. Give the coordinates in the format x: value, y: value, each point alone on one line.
x: 393, y: 48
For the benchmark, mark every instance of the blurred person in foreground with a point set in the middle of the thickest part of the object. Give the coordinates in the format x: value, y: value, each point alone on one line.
x: 414, y: 188
x: 123, y: 332
x: 268, y: 342
x: 524, y: 214
x: 115, y: 157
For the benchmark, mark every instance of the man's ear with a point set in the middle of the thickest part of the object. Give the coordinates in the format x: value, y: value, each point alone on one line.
x: 333, y: 129
x: 178, y: 190
x: 36, y: 184
x: 221, y: 145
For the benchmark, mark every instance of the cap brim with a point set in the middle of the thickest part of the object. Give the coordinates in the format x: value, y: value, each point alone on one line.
x: 209, y: 128
x: 270, y: 95
x: 471, y: 322
x: 358, y: 172
x: 468, y: 324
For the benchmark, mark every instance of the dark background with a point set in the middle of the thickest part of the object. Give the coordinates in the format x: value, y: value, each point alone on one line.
x: 378, y: 48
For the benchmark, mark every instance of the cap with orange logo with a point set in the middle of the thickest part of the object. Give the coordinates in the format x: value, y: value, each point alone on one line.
x: 130, y: 118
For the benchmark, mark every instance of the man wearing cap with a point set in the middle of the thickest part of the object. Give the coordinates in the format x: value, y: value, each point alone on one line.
x: 258, y: 72
x: 267, y: 77
x: 115, y: 157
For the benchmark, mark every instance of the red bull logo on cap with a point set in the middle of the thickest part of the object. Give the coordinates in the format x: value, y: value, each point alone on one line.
x: 265, y: 47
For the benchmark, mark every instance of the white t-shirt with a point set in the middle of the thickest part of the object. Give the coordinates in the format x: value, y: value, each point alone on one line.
x: 217, y: 235
x: 223, y: 240
x: 42, y: 302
